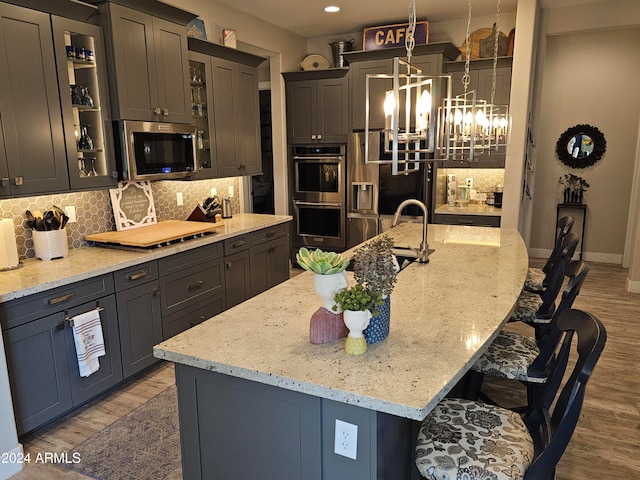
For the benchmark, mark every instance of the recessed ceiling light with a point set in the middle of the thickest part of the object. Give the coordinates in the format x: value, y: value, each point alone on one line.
x: 331, y: 9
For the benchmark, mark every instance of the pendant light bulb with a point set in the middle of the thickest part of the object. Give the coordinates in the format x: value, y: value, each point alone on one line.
x: 389, y: 103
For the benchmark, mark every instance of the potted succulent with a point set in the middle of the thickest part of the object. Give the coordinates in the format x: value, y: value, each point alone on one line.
x: 329, y: 277
x: 359, y: 306
x: 376, y: 268
x: 329, y: 269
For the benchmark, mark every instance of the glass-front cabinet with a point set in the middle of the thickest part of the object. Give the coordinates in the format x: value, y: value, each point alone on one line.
x: 84, y: 98
x: 199, y: 74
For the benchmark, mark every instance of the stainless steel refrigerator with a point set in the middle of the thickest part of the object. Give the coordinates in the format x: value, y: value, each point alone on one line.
x: 373, y: 193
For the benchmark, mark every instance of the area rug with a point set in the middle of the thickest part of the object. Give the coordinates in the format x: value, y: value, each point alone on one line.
x: 142, y: 445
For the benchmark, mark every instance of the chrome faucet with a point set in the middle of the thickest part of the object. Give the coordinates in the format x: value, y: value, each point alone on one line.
x: 423, y: 252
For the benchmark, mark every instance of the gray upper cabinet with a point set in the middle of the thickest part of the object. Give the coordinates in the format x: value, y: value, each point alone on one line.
x: 232, y: 108
x: 33, y: 158
x: 317, y: 110
x: 149, y: 64
x: 84, y: 96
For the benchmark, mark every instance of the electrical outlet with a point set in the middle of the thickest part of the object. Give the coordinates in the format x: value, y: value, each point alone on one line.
x: 70, y: 211
x: 179, y: 199
x: 214, y: 191
x: 230, y: 190
x: 346, y: 439
x: 470, y: 182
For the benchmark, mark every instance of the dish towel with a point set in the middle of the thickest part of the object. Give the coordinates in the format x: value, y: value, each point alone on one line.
x: 87, y: 335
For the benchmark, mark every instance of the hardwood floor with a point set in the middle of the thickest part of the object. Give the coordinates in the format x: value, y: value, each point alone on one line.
x: 605, y: 444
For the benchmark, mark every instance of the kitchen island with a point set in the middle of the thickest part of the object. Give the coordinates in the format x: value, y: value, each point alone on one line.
x: 258, y: 401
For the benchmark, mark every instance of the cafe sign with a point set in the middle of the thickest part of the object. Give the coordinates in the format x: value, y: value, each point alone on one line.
x: 389, y: 36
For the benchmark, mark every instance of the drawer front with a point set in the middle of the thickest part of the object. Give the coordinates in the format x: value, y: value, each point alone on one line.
x: 185, y: 288
x: 236, y: 244
x: 191, y: 258
x: 23, y: 310
x: 130, y: 277
x: 267, y: 234
x: 192, y: 316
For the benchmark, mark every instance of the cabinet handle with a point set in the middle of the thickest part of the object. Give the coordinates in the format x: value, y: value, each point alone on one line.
x: 313, y: 137
x: 5, y: 181
x: 165, y: 112
x: 139, y: 275
x: 19, y: 180
x: 63, y: 298
x: 270, y: 234
x: 59, y: 327
x: 156, y: 291
x: 319, y: 137
x: 195, y: 286
x: 157, y: 111
x: 239, y: 243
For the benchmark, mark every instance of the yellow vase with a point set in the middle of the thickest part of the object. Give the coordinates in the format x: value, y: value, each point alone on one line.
x: 355, y: 345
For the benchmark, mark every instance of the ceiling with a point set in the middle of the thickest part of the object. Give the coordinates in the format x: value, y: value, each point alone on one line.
x: 307, y: 19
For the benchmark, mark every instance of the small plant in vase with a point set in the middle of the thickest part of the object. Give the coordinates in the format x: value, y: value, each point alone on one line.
x: 328, y: 279
x: 359, y: 306
x: 575, y: 187
x: 376, y: 267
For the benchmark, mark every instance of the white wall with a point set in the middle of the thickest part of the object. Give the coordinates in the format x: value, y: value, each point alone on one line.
x: 587, y: 74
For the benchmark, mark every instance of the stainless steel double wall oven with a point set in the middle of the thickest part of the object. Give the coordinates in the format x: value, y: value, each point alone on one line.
x: 318, y: 191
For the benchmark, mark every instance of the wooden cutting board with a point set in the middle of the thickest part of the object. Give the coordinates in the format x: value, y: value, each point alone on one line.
x: 153, y: 235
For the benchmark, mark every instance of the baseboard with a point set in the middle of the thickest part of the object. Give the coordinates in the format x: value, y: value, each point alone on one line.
x: 632, y: 286
x: 10, y: 468
x: 613, y: 258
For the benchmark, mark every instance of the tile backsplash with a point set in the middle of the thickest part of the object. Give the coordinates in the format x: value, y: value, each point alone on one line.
x: 94, y: 213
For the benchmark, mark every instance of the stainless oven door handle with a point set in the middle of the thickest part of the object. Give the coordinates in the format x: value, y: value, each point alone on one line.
x: 337, y: 157
x: 317, y: 204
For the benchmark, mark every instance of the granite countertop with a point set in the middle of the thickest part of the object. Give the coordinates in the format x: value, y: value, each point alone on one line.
x: 37, y: 275
x: 443, y: 314
x: 470, y: 209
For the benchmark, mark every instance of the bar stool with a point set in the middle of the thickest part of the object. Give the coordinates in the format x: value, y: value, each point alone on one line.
x: 537, y: 308
x: 537, y: 277
x: 520, y: 357
x: 475, y: 441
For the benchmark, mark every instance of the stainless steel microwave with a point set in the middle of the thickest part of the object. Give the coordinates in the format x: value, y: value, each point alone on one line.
x: 155, y: 150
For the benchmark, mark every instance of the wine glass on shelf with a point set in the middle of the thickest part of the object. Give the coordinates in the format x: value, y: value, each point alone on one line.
x: 81, y: 167
x: 92, y: 172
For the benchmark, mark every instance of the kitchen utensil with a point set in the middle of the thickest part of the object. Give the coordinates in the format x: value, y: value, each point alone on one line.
x: 63, y: 216
x: 226, y: 208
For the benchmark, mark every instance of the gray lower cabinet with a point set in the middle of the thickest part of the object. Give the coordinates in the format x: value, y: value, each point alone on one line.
x: 290, y: 435
x: 255, y: 262
x: 32, y: 145
x: 191, y: 286
x: 471, y: 220
x: 41, y: 356
x: 139, y: 316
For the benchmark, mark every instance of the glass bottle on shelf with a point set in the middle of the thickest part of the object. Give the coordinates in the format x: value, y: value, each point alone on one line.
x: 76, y: 98
x: 85, y: 142
x: 85, y: 98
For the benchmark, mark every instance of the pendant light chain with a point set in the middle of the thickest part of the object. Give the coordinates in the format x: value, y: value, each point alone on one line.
x: 410, y: 40
x: 495, y: 52
x: 466, y: 78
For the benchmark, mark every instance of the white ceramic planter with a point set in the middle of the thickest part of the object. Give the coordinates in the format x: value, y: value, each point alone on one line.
x: 50, y: 244
x: 326, y: 286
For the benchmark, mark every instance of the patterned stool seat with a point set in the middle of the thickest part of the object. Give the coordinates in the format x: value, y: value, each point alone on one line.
x: 463, y: 439
x: 509, y: 356
x: 526, y: 308
x: 534, y: 280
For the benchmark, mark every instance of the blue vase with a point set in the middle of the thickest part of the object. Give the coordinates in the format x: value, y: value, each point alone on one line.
x: 378, y: 328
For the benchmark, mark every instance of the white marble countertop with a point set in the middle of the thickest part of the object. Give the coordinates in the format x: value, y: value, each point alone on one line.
x: 443, y: 314
x: 470, y: 209
x: 37, y: 275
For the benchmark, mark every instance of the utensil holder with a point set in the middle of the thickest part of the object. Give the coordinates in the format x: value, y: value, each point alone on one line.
x: 50, y: 244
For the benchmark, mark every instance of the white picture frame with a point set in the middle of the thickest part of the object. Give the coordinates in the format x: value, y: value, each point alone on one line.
x: 133, y: 206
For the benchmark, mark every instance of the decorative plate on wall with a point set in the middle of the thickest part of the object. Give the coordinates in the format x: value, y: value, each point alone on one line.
x: 315, y: 62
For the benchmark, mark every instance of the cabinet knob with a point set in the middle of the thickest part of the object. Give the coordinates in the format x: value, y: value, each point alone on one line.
x: 19, y: 180
x: 313, y: 137
x: 195, y: 286
x: 5, y: 181
x: 157, y: 111
x: 319, y: 137
x: 165, y: 111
